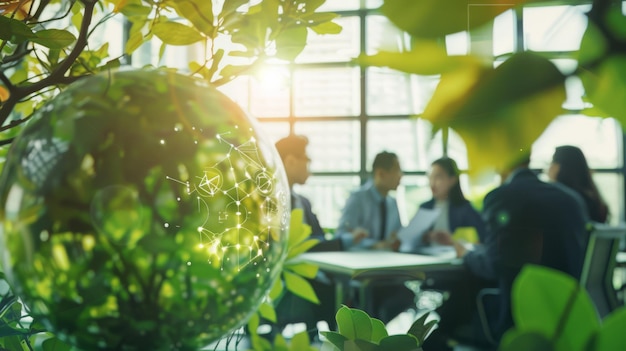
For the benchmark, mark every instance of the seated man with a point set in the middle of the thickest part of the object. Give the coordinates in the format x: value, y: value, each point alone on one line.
x: 291, y: 308
x: 370, y: 220
x: 529, y: 222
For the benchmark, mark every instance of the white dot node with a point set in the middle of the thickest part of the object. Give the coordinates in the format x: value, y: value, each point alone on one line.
x: 200, y: 229
x: 188, y: 263
x: 166, y: 225
x: 238, y: 203
x: 162, y: 142
x: 238, y: 213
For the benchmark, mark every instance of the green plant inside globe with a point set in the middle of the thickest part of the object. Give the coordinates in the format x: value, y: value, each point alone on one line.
x: 142, y: 210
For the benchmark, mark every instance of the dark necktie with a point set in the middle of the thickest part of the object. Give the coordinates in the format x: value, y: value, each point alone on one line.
x: 383, y: 218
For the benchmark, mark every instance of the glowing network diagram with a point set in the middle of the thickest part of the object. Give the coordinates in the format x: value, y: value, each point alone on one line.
x: 246, y: 177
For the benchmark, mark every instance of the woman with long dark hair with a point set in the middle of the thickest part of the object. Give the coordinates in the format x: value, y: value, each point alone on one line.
x: 569, y: 167
x: 455, y: 210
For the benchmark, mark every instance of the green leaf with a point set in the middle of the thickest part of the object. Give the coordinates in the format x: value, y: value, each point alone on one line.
x: 312, y: 5
x: 491, y: 109
x: 174, y: 33
x: 231, y: 6
x: 267, y: 311
x: 301, y: 248
x: 199, y: 13
x: 12, y: 29
x: 363, y: 345
x: 593, y: 45
x: 420, y: 328
x: 300, y: 287
x: 605, y: 86
x: 327, y: 28
x: 425, y: 18
x: 616, y: 22
x: 307, y: 270
x: 291, y: 42
x: 546, y: 301
x: 356, y: 324
x: 516, y: 340
x: 426, y: 58
x: 253, y: 323
x: 55, y: 344
x: 135, y: 9
x: 400, y: 343
x: 300, y: 342
x: 134, y: 42
x: 276, y: 290
x: 230, y: 71
x: 54, y: 38
x: 612, y: 335
x: 335, y: 338
x: 345, y: 325
x: 298, y: 230
x: 379, y: 331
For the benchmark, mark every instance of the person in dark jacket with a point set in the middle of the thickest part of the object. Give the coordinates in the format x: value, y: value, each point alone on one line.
x: 528, y: 222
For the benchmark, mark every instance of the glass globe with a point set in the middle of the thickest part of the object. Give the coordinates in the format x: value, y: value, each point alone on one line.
x: 142, y: 210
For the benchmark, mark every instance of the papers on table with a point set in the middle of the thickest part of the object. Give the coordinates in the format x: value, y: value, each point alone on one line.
x: 411, y: 235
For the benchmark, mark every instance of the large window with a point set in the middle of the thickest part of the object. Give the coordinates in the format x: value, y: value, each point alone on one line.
x: 351, y: 113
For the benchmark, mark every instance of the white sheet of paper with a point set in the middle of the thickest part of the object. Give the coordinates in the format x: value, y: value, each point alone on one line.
x: 411, y: 234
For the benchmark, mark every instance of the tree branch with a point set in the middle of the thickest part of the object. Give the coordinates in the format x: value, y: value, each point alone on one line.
x: 57, y: 75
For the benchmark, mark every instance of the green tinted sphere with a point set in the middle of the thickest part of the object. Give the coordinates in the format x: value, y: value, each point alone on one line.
x: 141, y: 210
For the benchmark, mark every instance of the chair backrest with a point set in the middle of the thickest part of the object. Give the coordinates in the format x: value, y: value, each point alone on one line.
x: 599, y: 264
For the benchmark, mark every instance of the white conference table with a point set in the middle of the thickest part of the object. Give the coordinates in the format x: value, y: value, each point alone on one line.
x: 366, y: 268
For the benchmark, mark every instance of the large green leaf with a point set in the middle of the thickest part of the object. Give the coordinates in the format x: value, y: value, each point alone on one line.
x: 425, y: 58
x: 605, y: 86
x: 612, y: 335
x: 502, y: 111
x: 300, y: 287
x: 174, y: 33
x: 300, y: 342
x: 553, y: 304
x: 355, y: 324
x: 593, y: 45
x: 516, y: 340
x: 12, y: 29
x: 436, y: 18
x: 402, y: 342
x: 199, y: 13
x: 54, y: 38
x: 55, y: 344
x: 335, y: 338
x: 421, y: 328
x: 298, y: 230
x: 307, y: 270
x: 291, y: 42
x: 267, y: 311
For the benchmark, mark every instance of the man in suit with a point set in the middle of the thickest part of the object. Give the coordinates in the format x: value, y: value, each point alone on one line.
x: 529, y: 222
x: 370, y: 218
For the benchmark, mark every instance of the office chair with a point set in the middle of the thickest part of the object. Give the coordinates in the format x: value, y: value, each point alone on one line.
x: 599, y: 266
x: 596, y: 275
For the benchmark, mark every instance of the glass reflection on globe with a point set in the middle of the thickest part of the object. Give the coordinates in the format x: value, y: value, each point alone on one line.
x: 142, y: 210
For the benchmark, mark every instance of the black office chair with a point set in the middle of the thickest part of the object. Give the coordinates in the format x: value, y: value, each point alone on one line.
x: 599, y: 266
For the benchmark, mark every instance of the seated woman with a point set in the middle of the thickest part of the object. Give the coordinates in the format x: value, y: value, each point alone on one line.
x: 455, y: 210
x: 569, y: 167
